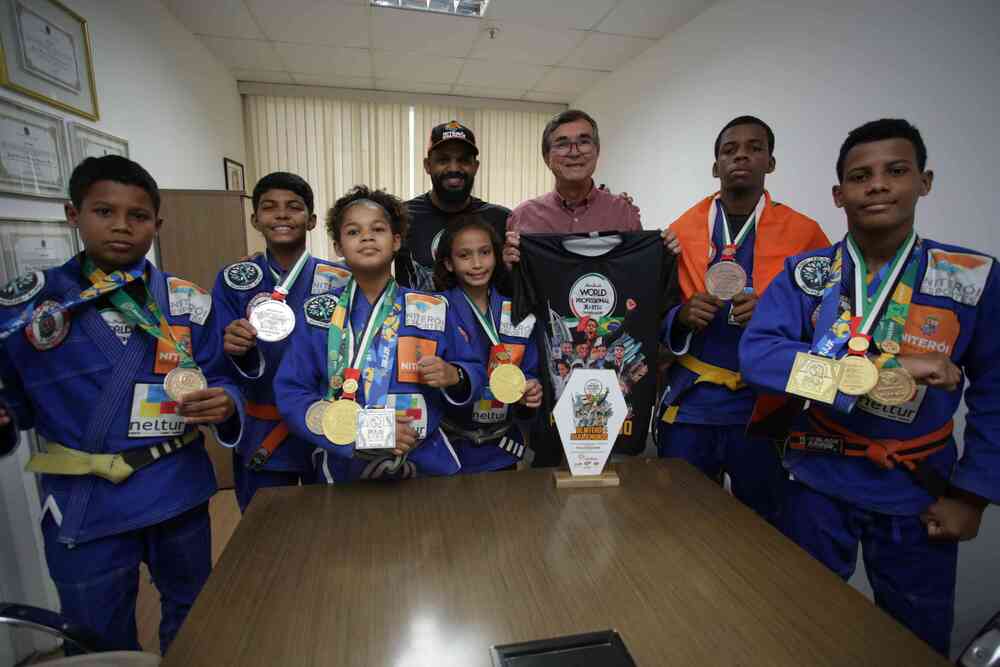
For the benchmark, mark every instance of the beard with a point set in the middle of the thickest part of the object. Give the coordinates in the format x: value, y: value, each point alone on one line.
x: 452, y: 196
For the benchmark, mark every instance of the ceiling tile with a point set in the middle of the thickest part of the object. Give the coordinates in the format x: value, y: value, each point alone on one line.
x: 262, y: 76
x: 413, y: 86
x: 224, y: 18
x: 566, y: 14
x: 651, y: 18
x: 556, y: 98
x: 403, y: 66
x: 607, y: 52
x: 519, y: 42
x: 312, y: 21
x: 325, y: 60
x: 244, y: 53
x: 488, y: 73
x: 566, y: 80
x: 496, y: 93
x: 333, y: 80
x: 420, y: 32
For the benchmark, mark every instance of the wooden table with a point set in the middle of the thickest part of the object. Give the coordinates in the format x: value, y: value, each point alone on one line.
x: 435, y: 571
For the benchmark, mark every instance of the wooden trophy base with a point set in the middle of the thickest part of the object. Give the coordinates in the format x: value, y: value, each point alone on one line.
x: 565, y: 480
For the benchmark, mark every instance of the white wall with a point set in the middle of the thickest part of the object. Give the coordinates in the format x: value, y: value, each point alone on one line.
x: 815, y: 70
x: 178, y: 107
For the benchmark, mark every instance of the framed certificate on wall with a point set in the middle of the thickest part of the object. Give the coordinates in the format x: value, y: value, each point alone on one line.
x: 45, y: 49
x: 33, y: 156
x: 87, y: 142
x: 28, y: 245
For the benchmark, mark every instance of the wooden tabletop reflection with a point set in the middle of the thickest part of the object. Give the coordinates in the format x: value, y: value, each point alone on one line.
x: 436, y: 571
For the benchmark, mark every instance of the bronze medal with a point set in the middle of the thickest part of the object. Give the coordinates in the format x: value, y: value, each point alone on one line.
x: 889, y: 347
x: 181, y: 381
x: 725, y: 280
x: 895, y: 387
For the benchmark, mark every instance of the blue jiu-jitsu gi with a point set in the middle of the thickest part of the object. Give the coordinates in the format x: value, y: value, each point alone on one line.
x: 85, y: 380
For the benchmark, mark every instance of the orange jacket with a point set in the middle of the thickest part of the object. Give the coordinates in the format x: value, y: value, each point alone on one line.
x: 781, y: 232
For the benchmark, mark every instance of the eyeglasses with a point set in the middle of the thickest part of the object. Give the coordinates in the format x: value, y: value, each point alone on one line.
x: 584, y: 145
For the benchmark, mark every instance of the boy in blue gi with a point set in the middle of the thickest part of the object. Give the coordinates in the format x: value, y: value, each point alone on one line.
x: 483, y: 432
x: 706, y: 404
x: 882, y: 468
x: 376, y: 344
x: 92, y: 352
x: 268, y: 455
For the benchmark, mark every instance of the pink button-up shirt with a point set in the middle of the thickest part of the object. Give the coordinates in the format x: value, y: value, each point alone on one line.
x: 600, y: 211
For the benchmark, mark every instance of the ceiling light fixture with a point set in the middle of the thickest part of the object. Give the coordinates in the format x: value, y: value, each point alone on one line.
x: 474, y: 8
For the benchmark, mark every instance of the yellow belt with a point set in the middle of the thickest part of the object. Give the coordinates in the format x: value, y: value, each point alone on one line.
x: 706, y: 373
x: 116, y: 468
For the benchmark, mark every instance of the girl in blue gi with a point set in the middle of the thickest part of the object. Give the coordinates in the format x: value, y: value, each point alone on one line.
x: 378, y: 345
x: 880, y: 467
x: 466, y: 270
x: 268, y: 455
x: 94, y: 356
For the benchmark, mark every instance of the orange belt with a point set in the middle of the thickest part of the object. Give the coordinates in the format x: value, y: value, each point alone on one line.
x: 273, y: 440
x: 832, y: 438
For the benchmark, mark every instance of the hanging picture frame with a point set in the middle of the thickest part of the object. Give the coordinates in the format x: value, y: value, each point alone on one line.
x: 87, y: 142
x: 34, y: 159
x: 45, y: 53
x: 235, y: 175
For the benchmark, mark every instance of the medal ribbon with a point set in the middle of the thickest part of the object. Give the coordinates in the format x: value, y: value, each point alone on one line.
x: 890, y: 327
x: 485, y: 319
x: 868, y: 307
x: 134, y: 314
x: 340, y: 323
x: 101, y: 284
x: 285, y: 286
x: 731, y: 245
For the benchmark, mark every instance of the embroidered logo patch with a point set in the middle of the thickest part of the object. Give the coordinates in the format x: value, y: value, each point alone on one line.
x: 930, y: 329
x: 411, y: 350
x: 242, y: 275
x: 958, y: 276
x: 186, y: 298
x: 425, y: 311
x: 117, y: 322
x: 413, y: 406
x: 507, y: 328
x: 154, y: 414
x: 811, y: 274
x: 22, y: 289
x: 904, y: 414
x: 167, y: 357
x: 319, y: 309
x: 327, y: 278
x: 49, y: 325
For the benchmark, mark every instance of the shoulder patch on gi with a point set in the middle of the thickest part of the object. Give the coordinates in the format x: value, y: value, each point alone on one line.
x: 49, y: 325
x: 319, y: 309
x: 425, y: 311
x: 507, y: 328
x: 22, y: 289
x: 327, y: 278
x: 186, y: 298
x: 242, y: 275
x: 959, y: 276
x: 811, y: 274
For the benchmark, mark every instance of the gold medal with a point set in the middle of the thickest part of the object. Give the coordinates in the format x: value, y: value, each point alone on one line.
x: 314, y: 416
x: 814, y: 377
x: 858, y: 344
x: 895, y: 386
x: 507, y: 382
x: 350, y: 386
x: 340, y: 422
x: 181, y: 381
x: 859, y: 374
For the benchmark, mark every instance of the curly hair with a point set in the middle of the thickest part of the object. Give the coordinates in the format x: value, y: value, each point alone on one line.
x: 445, y: 279
x: 394, y: 209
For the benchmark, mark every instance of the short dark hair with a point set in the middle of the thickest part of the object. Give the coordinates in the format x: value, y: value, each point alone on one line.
x: 283, y: 180
x: 111, y: 168
x: 445, y: 279
x: 746, y: 120
x: 394, y: 208
x: 880, y: 130
x: 568, y: 116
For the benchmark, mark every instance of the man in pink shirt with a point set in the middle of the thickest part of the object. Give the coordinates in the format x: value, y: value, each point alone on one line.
x: 570, y: 147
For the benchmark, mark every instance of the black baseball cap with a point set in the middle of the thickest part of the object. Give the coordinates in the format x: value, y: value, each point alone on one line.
x: 451, y: 131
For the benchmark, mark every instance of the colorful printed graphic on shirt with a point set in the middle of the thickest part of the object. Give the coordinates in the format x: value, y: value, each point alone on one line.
x: 413, y: 406
x: 154, y: 414
x: 327, y: 278
x: 958, y: 276
x: 167, y: 357
x: 186, y: 298
x: 426, y: 311
x: 410, y: 350
x: 930, y: 329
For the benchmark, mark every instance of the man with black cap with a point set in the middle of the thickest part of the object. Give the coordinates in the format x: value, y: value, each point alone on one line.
x: 452, y: 162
